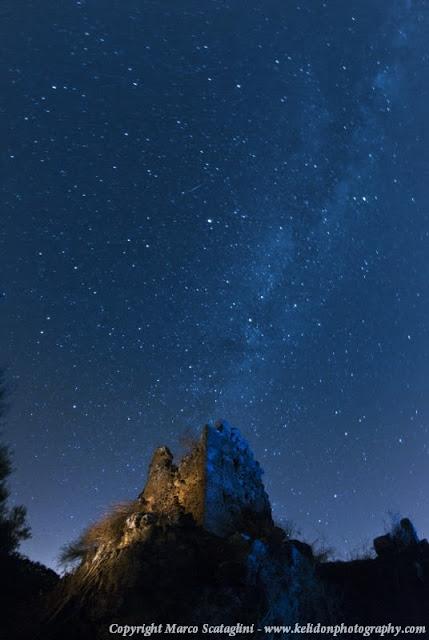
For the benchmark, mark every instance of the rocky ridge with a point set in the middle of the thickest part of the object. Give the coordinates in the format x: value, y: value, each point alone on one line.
x: 199, y: 545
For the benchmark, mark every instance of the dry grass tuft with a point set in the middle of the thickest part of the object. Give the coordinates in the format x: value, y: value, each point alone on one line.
x: 108, y: 530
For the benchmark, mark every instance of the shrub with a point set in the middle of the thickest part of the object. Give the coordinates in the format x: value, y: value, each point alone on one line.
x: 13, y: 526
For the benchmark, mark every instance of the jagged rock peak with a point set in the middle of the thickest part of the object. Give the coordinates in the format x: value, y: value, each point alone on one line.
x: 219, y: 483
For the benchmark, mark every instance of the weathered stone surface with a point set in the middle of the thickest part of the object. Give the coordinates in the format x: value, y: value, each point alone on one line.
x: 235, y: 498
x: 219, y: 483
x: 159, y: 490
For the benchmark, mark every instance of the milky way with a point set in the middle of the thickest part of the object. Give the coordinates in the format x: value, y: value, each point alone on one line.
x: 217, y: 209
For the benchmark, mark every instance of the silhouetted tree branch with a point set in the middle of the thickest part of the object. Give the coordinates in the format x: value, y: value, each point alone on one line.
x: 13, y: 526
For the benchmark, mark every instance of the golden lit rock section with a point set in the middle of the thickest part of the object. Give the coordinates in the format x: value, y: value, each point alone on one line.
x: 219, y: 483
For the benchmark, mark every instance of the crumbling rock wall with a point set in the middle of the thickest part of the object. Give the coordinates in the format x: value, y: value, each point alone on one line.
x: 219, y: 483
x: 235, y: 498
x: 199, y: 546
x: 190, y: 484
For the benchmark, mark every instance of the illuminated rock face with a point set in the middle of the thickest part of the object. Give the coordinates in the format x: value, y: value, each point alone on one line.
x: 219, y: 483
x: 235, y: 498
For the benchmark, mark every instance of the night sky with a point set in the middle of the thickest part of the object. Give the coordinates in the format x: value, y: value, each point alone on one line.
x: 217, y: 209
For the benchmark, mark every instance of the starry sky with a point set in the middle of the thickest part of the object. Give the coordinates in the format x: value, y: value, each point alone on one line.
x: 217, y: 208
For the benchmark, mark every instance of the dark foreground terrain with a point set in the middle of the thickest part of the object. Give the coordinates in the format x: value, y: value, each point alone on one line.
x: 199, y: 546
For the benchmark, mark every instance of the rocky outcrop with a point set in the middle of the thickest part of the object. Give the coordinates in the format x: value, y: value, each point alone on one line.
x: 403, y: 537
x: 219, y: 483
x: 199, y: 546
x: 235, y: 498
x: 392, y: 587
